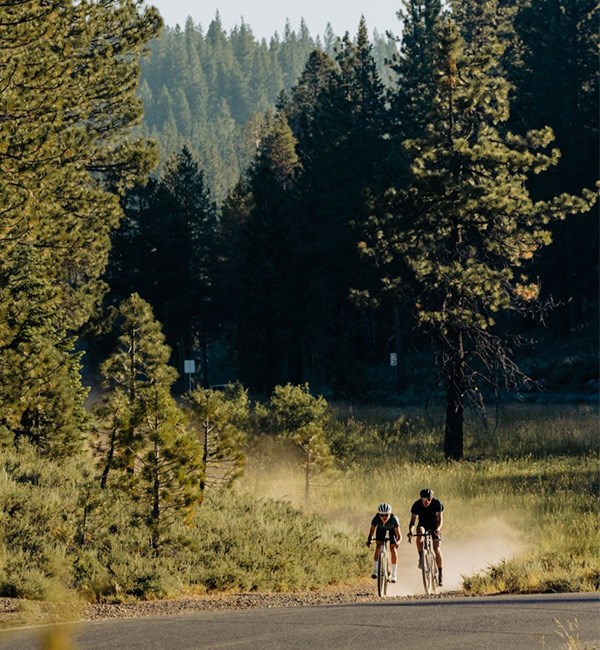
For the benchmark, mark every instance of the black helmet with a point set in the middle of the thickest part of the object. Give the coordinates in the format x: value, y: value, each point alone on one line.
x: 426, y: 493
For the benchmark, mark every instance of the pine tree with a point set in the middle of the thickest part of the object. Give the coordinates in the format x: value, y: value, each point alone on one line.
x: 142, y: 430
x: 557, y: 84
x: 337, y: 113
x: 269, y: 289
x: 140, y: 360
x: 167, y: 250
x: 412, y: 92
x: 41, y: 398
x: 186, y: 245
x: 171, y: 476
x: 68, y: 109
x: 67, y: 131
x: 294, y: 414
x: 466, y: 226
x: 221, y: 419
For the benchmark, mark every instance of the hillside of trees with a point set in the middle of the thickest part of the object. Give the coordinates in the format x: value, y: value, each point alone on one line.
x: 209, y: 91
x: 274, y: 157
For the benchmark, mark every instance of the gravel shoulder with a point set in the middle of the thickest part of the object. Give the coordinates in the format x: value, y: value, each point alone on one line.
x: 17, y: 612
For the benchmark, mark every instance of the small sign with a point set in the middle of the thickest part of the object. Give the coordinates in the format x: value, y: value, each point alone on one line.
x: 189, y: 366
x: 393, y: 359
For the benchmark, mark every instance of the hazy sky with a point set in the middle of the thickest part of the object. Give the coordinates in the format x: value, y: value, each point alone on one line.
x: 265, y: 17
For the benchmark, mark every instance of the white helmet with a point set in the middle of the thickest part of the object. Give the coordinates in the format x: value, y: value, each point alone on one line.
x: 384, y: 509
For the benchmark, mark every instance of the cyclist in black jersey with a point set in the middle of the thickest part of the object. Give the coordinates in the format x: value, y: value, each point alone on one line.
x: 385, y: 522
x: 427, y: 512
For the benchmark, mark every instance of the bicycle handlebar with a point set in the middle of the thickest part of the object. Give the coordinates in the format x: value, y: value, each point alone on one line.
x: 427, y: 534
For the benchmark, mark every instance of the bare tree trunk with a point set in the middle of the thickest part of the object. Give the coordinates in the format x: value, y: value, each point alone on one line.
x: 455, y: 388
x: 307, y: 478
x: 156, y: 498
x: 109, y: 456
x: 207, y: 429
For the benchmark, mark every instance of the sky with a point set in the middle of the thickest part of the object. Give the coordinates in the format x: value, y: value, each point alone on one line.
x: 265, y: 17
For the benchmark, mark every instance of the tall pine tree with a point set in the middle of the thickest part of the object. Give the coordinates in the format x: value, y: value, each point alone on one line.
x: 68, y: 108
x: 466, y: 226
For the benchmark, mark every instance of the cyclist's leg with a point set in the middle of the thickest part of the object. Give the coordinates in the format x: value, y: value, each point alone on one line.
x: 393, y: 557
x: 439, y: 560
x: 420, y: 531
x: 377, y: 551
x: 378, y: 542
x: 393, y: 551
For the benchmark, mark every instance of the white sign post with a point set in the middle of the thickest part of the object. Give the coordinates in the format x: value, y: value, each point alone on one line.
x: 393, y: 359
x: 189, y: 368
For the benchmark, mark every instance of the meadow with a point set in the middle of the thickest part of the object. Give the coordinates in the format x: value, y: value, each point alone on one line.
x: 524, y: 504
x: 521, y: 515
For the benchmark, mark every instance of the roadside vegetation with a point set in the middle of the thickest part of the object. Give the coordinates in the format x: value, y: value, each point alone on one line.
x: 63, y: 534
x: 538, y: 488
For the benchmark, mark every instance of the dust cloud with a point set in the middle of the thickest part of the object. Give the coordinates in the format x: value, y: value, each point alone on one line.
x: 492, y: 541
x: 472, y: 540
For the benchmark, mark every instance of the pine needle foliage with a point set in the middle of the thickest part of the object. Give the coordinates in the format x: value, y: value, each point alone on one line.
x: 143, y: 433
x: 458, y: 238
x: 294, y: 414
x: 67, y: 107
x: 221, y: 419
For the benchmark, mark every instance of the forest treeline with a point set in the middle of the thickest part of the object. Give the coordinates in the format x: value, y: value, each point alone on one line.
x: 442, y: 208
x: 208, y: 91
x: 273, y: 158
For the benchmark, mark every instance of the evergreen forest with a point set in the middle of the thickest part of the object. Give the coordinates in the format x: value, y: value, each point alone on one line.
x: 207, y: 239
x: 262, y: 240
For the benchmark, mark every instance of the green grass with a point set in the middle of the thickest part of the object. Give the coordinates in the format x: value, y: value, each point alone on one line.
x: 532, y: 482
x: 534, y: 479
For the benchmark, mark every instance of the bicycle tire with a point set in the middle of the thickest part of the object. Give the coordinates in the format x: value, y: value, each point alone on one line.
x: 425, y: 570
x: 386, y: 574
x: 382, y: 572
x: 433, y: 574
x: 434, y: 577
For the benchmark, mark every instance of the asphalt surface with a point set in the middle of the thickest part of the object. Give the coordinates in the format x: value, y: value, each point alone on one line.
x: 561, y: 621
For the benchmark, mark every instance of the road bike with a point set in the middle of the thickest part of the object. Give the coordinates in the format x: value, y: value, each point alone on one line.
x: 429, y: 568
x: 383, y: 568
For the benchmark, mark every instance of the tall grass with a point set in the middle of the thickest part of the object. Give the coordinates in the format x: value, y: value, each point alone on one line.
x: 539, y: 487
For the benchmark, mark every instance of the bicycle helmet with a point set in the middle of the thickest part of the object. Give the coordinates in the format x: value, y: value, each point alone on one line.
x: 426, y: 493
x: 384, y: 509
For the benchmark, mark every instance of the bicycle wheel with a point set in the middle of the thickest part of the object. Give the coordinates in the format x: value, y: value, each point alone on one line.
x: 433, y: 573
x: 425, y: 570
x: 382, y: 573
x: 386, y: 574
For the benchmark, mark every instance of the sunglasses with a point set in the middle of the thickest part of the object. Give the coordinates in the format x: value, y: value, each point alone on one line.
x: 384, y: 516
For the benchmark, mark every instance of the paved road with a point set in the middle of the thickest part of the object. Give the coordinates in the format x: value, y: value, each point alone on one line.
x: 493, y: 623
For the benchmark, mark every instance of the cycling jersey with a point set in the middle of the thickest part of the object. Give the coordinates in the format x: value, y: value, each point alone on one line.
x: 382, y: 527
x: 427, y: 514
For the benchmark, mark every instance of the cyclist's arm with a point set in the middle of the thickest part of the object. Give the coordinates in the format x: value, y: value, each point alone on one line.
x: 371, y: 533
x: 398, y: 535
x: 439, y: 520
x: 411, y: 525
